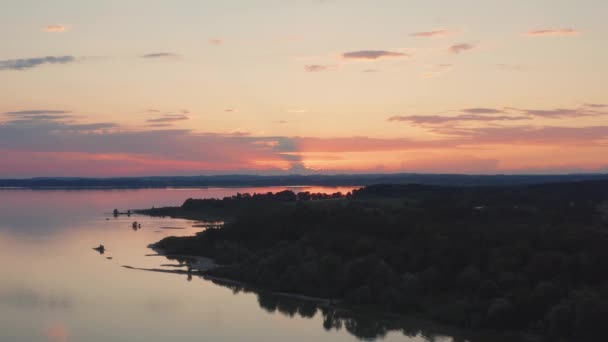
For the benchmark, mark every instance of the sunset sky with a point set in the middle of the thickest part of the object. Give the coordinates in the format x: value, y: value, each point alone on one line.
x: 188, y: 87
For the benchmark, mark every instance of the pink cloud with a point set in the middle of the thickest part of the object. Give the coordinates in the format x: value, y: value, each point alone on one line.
x: 31, y: 164
x: 97, y: 149
x: 550, y: 32
x: 373, y: 54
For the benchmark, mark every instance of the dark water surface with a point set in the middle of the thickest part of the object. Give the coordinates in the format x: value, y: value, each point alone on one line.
x: 54, y: 287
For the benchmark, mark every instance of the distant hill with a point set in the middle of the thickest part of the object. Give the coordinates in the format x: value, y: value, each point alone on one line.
x: 293, y: 180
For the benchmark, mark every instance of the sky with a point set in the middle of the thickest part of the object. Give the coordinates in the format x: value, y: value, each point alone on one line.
x: 189, y: 87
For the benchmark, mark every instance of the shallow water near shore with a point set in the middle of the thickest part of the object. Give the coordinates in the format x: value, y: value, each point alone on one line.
x: 55, y: 287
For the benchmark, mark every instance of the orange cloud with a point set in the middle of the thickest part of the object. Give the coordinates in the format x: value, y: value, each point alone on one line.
x: 55, y: 28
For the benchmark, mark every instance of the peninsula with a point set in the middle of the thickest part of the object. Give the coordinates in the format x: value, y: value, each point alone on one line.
x: 529, y: 258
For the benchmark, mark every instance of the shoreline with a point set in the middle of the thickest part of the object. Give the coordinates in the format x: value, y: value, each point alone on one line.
x: 336, y: 306
x: 205, y: 264
x: 408, y: 249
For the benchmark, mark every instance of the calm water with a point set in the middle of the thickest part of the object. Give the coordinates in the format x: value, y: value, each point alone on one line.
x: 54, y: 287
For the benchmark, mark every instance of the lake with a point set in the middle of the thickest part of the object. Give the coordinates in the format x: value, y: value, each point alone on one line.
x: 55, y: 287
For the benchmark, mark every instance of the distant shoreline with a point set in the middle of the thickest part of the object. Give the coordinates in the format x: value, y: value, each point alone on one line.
x: 228, y: 181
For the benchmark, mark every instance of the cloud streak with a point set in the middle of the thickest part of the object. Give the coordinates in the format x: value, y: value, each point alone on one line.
x: 433, y: 34
x: 560, y: 112
x: 37, y: 112
x: 440, y: 119
x: 168, y: 118
x: 458, y: 48
x: 40, y: 114
x: 373, y: 54
x: 481, y: 110
x: 481, y: 114
x: 315, y: 68
x: 29, y: 63
x: 552, y: 32
x: 160, y: 55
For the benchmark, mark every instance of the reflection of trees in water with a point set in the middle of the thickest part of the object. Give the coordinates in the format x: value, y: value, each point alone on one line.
x: 365, y: 326
x: 287, y: 306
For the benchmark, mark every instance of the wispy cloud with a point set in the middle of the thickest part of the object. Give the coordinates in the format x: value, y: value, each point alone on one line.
x: 372, y: 54
x: 37, y: 112
x: 482, y: 114
x: 534, y: 134
x: 160, y: 55
x: 167, y: 118
x: 552, y: 32
x: 29, y: 63
x: 55, y: 28
x: 458, y: 48
x: 434, y: 34
x: 315, y: 67
x: 160, y: 125
x: 596, y: 105
x: 216, y: 41
x: 440, y: 119
x: 481, y: 110
x: 559, y: 112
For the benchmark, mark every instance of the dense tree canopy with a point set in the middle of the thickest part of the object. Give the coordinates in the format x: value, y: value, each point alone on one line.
x: 531, y: 258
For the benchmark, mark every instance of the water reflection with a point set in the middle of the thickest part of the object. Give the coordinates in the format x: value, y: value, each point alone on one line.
x: 363, y: 325
x: 37, y: 214
x: 29, y: 298
x: 54, y: 287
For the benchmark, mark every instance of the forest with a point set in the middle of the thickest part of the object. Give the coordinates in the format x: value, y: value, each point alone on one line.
x: 529, y: 258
